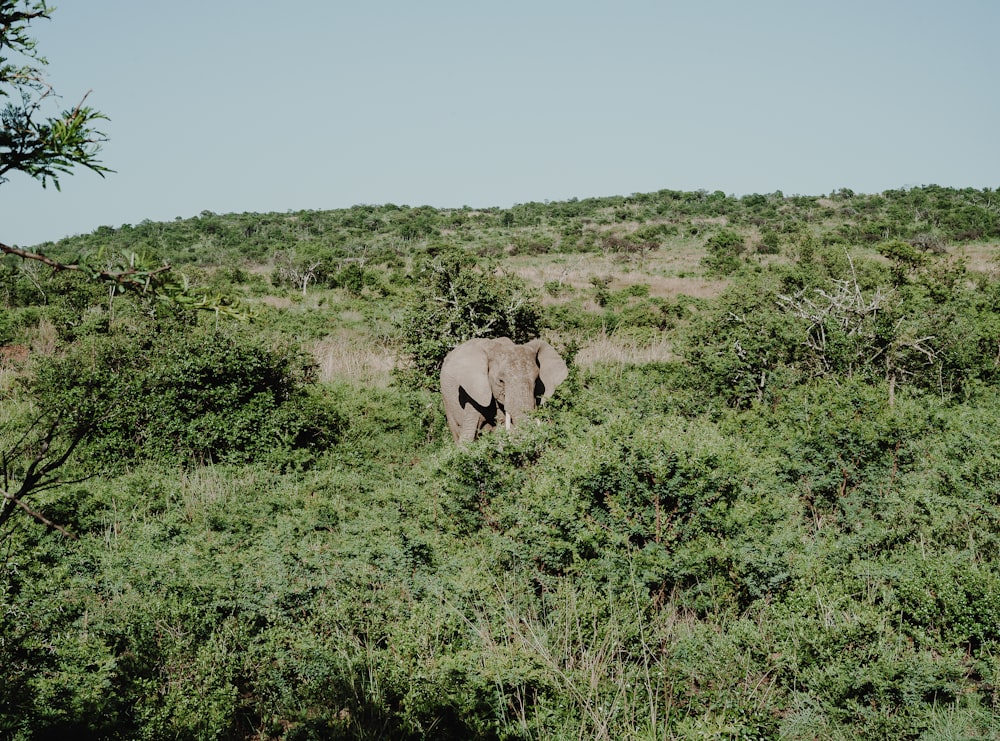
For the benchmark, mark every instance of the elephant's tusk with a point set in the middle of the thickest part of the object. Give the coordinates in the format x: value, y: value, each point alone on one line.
x: 507, y: 420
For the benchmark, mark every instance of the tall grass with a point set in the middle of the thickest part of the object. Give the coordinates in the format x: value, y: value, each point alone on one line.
x: 355, y: 359
x: 623, y: 348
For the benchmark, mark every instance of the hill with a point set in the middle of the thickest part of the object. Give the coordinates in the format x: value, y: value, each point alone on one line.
x: 765, y: 503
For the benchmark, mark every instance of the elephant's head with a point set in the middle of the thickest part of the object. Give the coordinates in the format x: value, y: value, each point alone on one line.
x: 489, y: 383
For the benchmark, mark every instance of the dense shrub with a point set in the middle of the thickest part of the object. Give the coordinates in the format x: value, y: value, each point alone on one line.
x: 834, y: 317
x: 725, y: 250
x: 742, y: 350
x: 457, y: 300
x: 187, y: 396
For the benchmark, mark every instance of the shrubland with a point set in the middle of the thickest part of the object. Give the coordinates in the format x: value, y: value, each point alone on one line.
x: 765, y: 504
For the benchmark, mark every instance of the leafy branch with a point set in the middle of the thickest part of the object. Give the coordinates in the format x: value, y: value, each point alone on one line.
x: 41, y: 146
x: 180, y: 294
x: 130, y: 277
x: 47, y: 149
x: 159, y: 281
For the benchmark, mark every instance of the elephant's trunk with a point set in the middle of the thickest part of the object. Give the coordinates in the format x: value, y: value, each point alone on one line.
x: 518, y: 404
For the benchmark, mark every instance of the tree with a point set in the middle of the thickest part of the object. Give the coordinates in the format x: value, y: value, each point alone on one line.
x: 459, y: 300
x: 42, y: 147
x: 46, y: 147
x: 32, y: 142
x: 299, y: 270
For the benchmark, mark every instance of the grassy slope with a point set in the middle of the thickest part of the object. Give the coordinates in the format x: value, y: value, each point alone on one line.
x: 645, y: 564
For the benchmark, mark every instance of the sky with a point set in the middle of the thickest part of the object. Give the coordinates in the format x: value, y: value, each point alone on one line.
x: 257, y: 106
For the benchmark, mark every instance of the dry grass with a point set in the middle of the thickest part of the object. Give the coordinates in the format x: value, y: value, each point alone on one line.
x: 670, y: 272
x: 8, y: 378
x: 277, y: 302
x: 981, y: 258
x: 13, y: 359
x: 13, y: 356
x: 43, y: 339
x: 363, y: 362
x: 358, y: 360
x: 623, y: 349
x: 354, y: 358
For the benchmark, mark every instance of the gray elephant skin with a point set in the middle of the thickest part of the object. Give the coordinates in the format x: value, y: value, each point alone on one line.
x: 492, y: 383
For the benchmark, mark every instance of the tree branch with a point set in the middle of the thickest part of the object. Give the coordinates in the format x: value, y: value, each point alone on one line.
x: 130, y: 276
x: 39, y: 516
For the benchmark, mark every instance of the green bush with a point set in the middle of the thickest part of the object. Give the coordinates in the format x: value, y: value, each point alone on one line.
x: 742, y: 351
x: 725, y: 250
x: 187, y: 396
x: 948, y: 599
x: 355, y: 279
x: 458, y: 300
x: 770, y: 243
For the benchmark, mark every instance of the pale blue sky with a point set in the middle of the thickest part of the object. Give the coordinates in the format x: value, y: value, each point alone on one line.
x: 246, y: 105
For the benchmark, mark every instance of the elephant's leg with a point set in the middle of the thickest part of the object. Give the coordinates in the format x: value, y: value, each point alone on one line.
x: 469, y: 422
x: 473, y: 418
x: 453, y: 425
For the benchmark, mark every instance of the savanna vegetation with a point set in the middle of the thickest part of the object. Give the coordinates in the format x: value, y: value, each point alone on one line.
x: 764, y: 505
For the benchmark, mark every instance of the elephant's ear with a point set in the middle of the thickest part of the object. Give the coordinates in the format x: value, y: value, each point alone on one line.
x: 471, y: 367
x: 552, y: 369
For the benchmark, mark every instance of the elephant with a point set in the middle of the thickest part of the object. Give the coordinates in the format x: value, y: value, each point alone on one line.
x: 486, y: 383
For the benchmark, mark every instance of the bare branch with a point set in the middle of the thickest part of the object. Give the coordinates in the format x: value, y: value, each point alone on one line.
x: 39, y: 516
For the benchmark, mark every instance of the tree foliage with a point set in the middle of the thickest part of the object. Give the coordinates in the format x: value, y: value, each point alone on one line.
x: 458, y: 299
x: 32, y: 141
